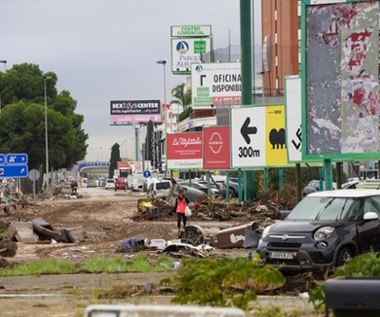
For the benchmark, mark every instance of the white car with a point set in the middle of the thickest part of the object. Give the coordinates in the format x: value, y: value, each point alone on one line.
x: 159, y: 189
x: 110, y: 183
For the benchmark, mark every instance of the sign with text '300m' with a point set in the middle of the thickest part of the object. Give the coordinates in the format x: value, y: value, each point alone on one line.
x: 258, y: 136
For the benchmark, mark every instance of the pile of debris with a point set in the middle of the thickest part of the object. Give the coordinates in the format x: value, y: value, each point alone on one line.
x: 150, y: 209
x: 40, y: 231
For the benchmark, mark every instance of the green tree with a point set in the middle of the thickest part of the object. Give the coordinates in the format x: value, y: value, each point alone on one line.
x: 182, y: 96
x: 148, y: 141
x: 115, y: 157
x: 22, y: 119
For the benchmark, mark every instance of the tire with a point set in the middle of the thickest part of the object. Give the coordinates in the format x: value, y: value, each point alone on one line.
x: 231, y: 192
x: 344, y: 255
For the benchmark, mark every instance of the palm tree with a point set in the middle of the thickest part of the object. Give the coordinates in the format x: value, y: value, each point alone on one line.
x: 182, y: 96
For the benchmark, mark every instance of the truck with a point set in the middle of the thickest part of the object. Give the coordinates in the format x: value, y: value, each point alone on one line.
x: 123, y: 170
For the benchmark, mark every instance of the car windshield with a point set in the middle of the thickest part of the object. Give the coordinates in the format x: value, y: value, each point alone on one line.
x: 321, y: 208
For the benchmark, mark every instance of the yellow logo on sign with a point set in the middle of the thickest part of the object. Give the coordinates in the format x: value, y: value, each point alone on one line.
x: 276, y: 154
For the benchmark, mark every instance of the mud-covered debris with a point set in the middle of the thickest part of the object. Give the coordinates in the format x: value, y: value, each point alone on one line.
x: 8, y: 248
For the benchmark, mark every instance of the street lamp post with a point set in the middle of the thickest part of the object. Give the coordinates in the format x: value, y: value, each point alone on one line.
x: 46, y: 78
x: 163, y: 63
x: 5, y: 67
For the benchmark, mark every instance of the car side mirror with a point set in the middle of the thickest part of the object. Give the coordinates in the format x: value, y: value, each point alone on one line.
x: 370, y: 216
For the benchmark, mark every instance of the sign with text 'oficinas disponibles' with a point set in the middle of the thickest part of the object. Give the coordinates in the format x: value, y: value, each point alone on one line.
x: 216, y: 148
x: 184, y: 150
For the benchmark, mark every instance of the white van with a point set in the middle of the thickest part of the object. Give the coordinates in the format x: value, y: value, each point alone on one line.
x: 159, y: 189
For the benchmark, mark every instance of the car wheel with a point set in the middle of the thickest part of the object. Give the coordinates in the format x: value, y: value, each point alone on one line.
x: 344, y: 255
x: 231, y: 192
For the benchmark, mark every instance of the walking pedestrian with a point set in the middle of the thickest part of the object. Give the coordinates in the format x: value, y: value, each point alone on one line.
x: 180, y: 205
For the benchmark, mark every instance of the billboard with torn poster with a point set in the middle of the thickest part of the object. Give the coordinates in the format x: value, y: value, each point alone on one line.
x: 340, y: 85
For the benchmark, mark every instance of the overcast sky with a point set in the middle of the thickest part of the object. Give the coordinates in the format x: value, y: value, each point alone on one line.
x: 104, y: 50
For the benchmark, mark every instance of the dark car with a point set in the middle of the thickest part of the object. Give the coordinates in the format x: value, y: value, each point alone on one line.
x: 325, y: 229
x: 233, y: 186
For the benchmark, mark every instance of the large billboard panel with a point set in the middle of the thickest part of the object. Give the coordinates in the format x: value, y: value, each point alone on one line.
x: 341, y: 83
x: 188, y: 51
x: 184, y: 150
x: 135, y: 111
x: 258, y: 137
x: 216, y: 148
x: 216, y: 85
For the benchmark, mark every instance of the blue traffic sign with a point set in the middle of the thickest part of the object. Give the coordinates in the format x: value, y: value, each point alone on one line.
x: 147, y: 174
x: 13, y: 171
x: 2, y: 158
x: 16, y: 158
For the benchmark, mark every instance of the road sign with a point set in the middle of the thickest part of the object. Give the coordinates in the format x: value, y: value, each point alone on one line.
x: 258, y: 136
x: 147, y: 174
x: 248, y: 137
x: 13, y: 171
x: 16, y: 158
x: 13, y: 165
x: 34, y: 175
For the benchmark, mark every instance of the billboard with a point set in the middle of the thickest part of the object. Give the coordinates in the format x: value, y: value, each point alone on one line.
x: 216, y: 148
x: 184, y: 150
x: 187, y: 51
x: 216, y: 85
x: 258, y: 137
x: 135, y: 111
x: 340, y: 84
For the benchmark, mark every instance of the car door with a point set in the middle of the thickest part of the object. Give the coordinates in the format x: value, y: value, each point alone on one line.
x: 369, y: 230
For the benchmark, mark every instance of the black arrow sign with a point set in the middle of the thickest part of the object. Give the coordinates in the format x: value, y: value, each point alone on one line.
x: 246, y: 130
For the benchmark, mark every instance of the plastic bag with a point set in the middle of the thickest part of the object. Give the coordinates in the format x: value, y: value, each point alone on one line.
x: 187, y: 211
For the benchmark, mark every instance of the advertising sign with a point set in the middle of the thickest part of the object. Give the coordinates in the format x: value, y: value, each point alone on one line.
x: 258, y: 136
x: 216, y: 85
x: 216, y: 148
x: 184, y: 150
x: 191, y: 31
x: 341, y: 88
x: 135, y: 111
x: 187, y: 51
x: 293, y: 118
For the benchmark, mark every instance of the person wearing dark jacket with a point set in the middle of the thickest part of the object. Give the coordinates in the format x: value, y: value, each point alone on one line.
x: 180, y: 205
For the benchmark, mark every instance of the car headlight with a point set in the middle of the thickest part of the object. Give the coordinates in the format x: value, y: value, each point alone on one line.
x: 265, y: 232
x: 323, y: 232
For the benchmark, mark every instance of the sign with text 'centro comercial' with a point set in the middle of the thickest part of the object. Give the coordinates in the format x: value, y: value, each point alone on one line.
x: 135, y: 111
x: 191, y: 30
x: 216, y: 85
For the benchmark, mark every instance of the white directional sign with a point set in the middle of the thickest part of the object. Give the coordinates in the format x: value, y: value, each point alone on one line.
x: 258, y: 136
x: 248, y: 137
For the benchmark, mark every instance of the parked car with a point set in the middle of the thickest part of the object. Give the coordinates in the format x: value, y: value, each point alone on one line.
x: 233, y: 186
x: 110, y: 183
x: 194, y: 184
x: 192, y: 194
x: 218, y: 186
x: 314, y: 186
x: 325, y: 229
x: 92, y: 183
x: 120, y: 184
x: 159, y: 189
